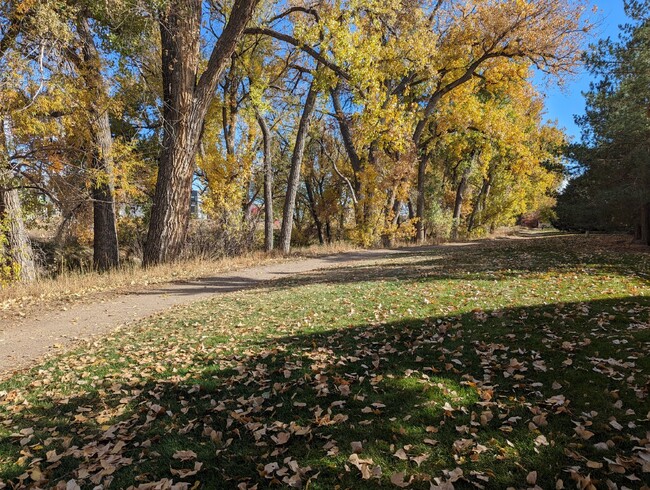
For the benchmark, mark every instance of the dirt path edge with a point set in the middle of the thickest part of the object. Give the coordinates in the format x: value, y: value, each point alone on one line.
x: 24, y: 341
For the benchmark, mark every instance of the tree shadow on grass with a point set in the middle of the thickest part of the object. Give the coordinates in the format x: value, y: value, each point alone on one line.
x: 495, y: 394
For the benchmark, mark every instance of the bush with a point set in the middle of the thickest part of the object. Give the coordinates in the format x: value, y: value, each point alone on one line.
x: 439, y: 221
x: 226, y: 235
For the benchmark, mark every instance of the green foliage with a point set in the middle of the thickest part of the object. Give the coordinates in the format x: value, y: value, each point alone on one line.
x: 439, y: 221
x: 611, y: 177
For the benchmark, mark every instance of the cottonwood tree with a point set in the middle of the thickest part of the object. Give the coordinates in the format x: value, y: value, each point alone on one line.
x: 15, y: 246
x: 88, y: 63
x: 187, y: 93
x: 396, y: 62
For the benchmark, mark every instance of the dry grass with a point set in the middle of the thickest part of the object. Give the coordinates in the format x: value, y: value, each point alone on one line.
x: 72, y: 287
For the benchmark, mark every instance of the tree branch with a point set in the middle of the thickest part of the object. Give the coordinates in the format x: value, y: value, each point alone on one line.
x: 262, y: 31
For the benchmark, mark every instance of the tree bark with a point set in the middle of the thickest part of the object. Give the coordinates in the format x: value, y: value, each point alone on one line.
x: 185, y: 101
x: 346, y: 136
x: 419, y: 206
x: 105, y: 243
x: 18, y: 246
x: 294, y: 172
x: 458, y: 205
x: 479, y: 205
x: 314, y: 211
x: 268, y: 184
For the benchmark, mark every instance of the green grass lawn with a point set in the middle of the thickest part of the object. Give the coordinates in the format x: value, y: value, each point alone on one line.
x: 507, y: 363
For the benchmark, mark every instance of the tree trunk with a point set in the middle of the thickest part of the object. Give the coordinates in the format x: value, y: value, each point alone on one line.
x: 479, y: 205
x: 346, y: 135
x: 458, y: 205
x: 268, y: 185
x: 328, y: 230
x: 229, y: 113
x: 314, y: 212
x: 294, y: 172
x: 185, y: 105
x: 645, y: 224
x: 105, y: 244
x: 419, y: 206
x: 18, y: 247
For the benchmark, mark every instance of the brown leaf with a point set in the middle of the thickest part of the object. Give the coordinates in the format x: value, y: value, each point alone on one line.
x: 420, y: 459
x: 184, y: 455
x: 184, y: 473
x: 281, y: 438
x: 363, y: 465
x: 531, y: 479
x: 584, y: 433
x: 397, y: 479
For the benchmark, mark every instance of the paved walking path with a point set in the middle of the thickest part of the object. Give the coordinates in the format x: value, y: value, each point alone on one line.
x: 24, y: 341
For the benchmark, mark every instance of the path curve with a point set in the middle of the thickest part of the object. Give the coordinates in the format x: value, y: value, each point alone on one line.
x: 24, y: 341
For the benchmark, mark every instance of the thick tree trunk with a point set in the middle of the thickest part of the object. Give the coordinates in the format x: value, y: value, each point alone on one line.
x: 294, y: 172
x: 479, y: 205
x: 18, y: 247
x: 391, y: 215
x: 268, y: 185
x: 105, y: 244
x: 185, y: 102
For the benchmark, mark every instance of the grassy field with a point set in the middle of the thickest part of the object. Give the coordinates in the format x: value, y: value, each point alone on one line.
x: 507, y: 363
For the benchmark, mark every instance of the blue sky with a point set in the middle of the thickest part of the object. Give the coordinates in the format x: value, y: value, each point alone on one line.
x: 562, y: 103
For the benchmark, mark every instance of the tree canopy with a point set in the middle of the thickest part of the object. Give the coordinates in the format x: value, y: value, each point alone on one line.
x: 611, y: 174
x: 358, y: 120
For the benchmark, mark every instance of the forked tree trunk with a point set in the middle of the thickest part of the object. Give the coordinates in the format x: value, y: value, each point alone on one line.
x: 105, y: 243
x: 186, y: 98
x: 294, y: 172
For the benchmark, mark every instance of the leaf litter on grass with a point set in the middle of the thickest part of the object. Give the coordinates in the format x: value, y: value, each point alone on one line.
x: 512, y: 364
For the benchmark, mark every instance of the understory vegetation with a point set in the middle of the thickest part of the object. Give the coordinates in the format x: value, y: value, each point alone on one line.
x: 514, y: 363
